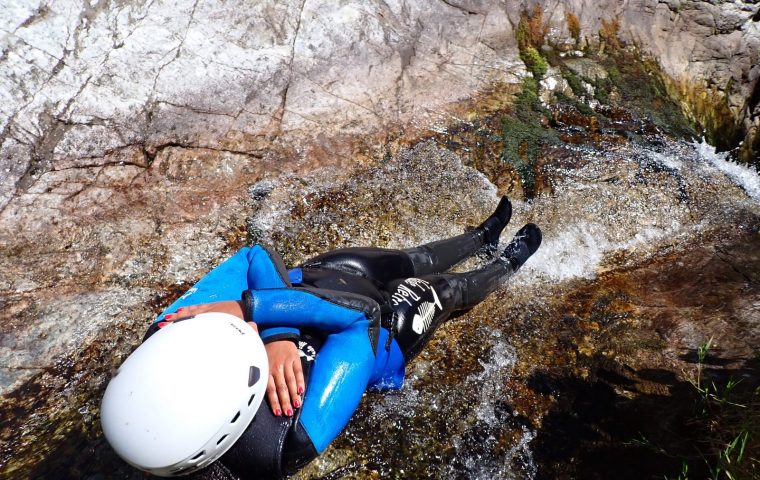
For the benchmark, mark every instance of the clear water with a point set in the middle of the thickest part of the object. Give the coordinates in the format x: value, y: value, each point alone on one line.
x: 459, y: 416
x: 608, y: 210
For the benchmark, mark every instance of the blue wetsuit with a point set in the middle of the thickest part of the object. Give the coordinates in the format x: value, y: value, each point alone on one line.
x: 356, y: 314
x: 349, y: 360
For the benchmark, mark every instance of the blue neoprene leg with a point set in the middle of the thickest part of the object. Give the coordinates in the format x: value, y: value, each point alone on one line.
x: 225, y: 282
x: 390, y: 367
x: 266, y: 269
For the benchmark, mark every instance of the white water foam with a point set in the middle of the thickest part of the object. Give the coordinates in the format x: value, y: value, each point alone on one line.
x: 492, y: 379
x: 579, y: 249
x: 663, y: 201
x: 746, y: 177
x: 574, y: 252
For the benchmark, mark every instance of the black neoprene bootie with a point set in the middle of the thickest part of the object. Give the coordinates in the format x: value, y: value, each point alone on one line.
x: 494, y: 224
x: 526, y: 242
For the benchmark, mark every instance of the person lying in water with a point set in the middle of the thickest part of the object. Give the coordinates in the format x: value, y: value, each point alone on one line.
x: 339, y: 324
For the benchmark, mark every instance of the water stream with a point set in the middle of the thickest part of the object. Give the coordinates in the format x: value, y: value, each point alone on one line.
x: 611, y: 211
x: 511, y: 388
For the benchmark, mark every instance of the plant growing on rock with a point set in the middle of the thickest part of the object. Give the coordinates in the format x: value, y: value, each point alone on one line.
x: 574, y: 26
x: 531, y: 35
x: 531, y: 30
x: 534, y: 62
x: 733, y: 427
x: 524, y: 136
x: 608, y: 34
x: 574, y: 81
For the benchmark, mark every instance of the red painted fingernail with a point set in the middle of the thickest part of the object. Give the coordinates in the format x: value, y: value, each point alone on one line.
x: 277, y: 412
x: 296, y: 403
x: 300, y: 390
x: 168, y: 316
x: 162, y: 324
x: 289, y: 413
x: 180, y: 309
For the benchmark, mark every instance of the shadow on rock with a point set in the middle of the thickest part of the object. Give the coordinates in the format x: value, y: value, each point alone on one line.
x: 647, y: 423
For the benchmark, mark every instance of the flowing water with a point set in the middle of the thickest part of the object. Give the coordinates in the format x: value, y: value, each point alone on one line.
x: 611, y: 212
x: 649, y: 249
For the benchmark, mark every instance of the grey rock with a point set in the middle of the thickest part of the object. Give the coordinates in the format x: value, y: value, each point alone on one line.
x: 586, y: 68
x: 693, y: 41
x: 553, y: 82
x: 130, y: 131
x: 114, y: 114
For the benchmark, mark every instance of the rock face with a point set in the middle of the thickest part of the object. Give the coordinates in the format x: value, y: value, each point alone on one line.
x: 710, y: 49
x: 131, y: 131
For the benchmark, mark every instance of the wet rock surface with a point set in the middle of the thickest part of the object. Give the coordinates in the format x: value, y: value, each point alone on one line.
x: 643, y: 249
x: 130, y: 131
x: 710, y: 49
x: 144, y: 142
x: 635, y: 336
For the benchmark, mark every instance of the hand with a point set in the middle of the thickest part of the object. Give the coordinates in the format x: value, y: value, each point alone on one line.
x: 286, y: 383
x: 232, y: 307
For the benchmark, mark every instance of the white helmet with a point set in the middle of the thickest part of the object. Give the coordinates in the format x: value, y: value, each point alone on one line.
x: 186, y: 395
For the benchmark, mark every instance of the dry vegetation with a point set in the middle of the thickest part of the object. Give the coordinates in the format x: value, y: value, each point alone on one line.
x: 574, y: 26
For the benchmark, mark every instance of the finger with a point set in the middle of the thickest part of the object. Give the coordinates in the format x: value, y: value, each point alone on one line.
x: 281, y: 387
x: 290, y: 380
x: 184, y: 312
x: 272, y: 397
x: 282, y: 392
x: 300, y: 382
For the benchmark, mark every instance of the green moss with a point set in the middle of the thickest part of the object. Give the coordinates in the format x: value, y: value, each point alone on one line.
x: 582, y: 108
x: 640, y: 87
x: 552, y: 57
x: 575, y: 82
x: 613, y: 74
x: 528, y: 106
x: 602, y: 91
x: 534, y: 62
x: 521, y: 35
x: 530, y: 35
x: 523, y: 135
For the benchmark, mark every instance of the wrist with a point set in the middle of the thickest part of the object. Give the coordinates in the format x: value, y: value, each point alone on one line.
x: 246, y: 304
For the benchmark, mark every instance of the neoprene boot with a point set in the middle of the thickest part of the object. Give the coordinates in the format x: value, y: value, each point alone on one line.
x: 494, y: 224
x: 439, y: 256
x: 526, y: 242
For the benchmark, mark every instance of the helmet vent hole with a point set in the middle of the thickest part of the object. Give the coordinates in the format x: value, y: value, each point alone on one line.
x: 250, y: 400
x: 199, y: 455
x: 221, y: 440
x: 234, y: 419
x: 253, y: 375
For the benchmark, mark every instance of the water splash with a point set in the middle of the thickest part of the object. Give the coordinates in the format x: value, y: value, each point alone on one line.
x: 636, y: 202
x: 486, y: 460
x: 607, y: 209
x: 746, y: 177
x: 574, y: 252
